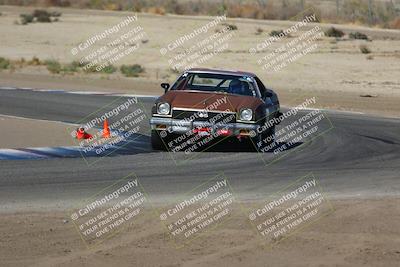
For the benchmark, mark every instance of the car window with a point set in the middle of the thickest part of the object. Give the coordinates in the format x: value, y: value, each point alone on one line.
x: 225, y: 84
x: 231, y: 84
x: 205, y: 81
x: 261, y: 87
x: 178, y: 85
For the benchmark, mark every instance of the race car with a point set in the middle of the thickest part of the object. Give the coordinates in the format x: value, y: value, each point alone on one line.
x: 213, y: 104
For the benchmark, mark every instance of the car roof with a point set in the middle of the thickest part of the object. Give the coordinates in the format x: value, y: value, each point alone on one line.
x: 222, y: 72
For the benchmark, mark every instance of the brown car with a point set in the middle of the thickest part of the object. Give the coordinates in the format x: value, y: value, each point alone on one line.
x: 206, y: 105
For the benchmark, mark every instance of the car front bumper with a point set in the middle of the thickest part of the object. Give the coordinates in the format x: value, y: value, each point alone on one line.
x: 181, y: 127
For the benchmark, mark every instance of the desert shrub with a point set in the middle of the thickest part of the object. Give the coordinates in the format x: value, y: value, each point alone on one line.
x: 82, y: 63
x: 244, y: 10
x: 35, y: 61
x: 173, y: 6
x: 40, y: 12
x: 131, y: 70
x: 259, y: 31
x: 364, y: 49
x: 137, y: 6
x: 26, y: 18
x: 276, y: 33
x: 358, y: 35
x: 61, y: 3
x: 355, y: 11
x: 289, y: 10
x: 395, y: 24
x: 75, y: 66
x: 55, y: 14
x: 370, y: 57
x: 382, y: 13
x: 39, y: 15
x: 112, y: 7
x: 71, y: 68
x: 53, y: 66
x: 109, y: 69
x: 4, y: 63
x: 262, y: 9
x: 312, y: 10
x: 42, y: 15
x: 231, y: 27
x: 21, y: 62
x: 156, y: 10
x: 358, y: 11
x: 89, y: 68
x: 333, y: 32
x: 43, y: 18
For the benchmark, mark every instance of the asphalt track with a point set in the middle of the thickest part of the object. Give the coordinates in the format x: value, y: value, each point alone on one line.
x: 358, y: 158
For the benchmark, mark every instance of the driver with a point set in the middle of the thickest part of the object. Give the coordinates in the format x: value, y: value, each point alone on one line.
x: 239, y: 88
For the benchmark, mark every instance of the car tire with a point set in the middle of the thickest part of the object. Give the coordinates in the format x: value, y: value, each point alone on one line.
x: 156, y: 141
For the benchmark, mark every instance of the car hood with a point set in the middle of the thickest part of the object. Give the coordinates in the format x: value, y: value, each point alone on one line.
x: 211, y: 100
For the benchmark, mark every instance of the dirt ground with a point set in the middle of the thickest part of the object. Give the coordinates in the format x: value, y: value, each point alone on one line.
x: 357, y: 233
x: 21, y: 132
x: 382, y: 105
x: 337, y: 73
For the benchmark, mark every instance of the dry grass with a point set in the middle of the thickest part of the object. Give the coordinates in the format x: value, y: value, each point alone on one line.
x: 55, y: 41
x: 395, y: 24
x: 364, y: 49
x: 384, y: 12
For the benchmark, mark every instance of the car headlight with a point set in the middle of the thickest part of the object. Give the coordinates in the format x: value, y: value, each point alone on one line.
x: 163, y: 108
x: 246, y: 114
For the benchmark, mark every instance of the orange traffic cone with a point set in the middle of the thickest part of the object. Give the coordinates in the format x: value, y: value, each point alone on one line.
x: 106, y: 130
x: 82, y: 134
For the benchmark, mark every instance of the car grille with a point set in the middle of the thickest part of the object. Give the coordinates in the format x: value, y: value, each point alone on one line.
x: 214, y: 117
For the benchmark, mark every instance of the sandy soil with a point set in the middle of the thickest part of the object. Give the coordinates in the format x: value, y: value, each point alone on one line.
x: 21, y: 132
x: 357, y: 233
x: 382, y: 105
x: 337, y: 73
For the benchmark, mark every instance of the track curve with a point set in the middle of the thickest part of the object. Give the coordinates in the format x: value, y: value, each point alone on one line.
x: 359, y: 157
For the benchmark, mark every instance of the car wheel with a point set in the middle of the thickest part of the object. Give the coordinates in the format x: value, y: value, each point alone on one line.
x: 156, y: 141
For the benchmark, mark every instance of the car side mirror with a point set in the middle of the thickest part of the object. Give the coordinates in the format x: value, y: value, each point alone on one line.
x: 165, y: 86
x: 266, y: 94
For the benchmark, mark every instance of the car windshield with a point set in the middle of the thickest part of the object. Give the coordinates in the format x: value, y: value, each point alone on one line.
x: 206, y: 82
